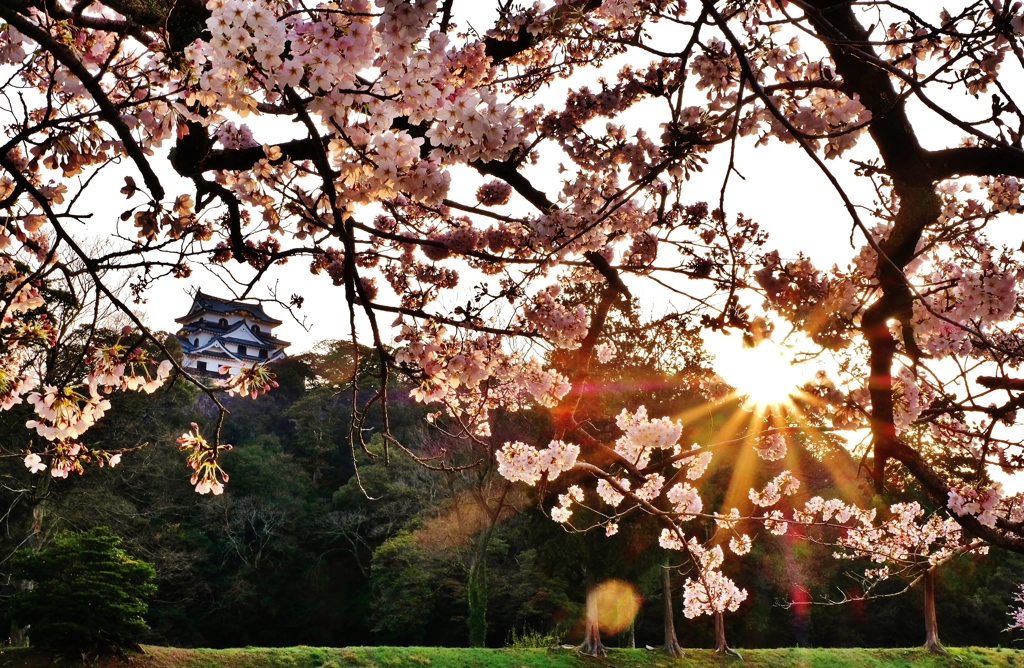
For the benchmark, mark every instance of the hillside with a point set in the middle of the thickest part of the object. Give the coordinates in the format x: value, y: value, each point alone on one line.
x: 442, y: 657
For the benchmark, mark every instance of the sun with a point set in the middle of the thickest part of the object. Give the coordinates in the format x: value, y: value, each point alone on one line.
x: 763, y: 375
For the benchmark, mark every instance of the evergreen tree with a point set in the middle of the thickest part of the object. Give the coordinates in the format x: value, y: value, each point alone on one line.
x: 89, y: 595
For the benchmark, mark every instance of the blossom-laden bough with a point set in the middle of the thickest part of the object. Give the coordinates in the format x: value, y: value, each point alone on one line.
x: 397, y: 106
x: 907, y: 545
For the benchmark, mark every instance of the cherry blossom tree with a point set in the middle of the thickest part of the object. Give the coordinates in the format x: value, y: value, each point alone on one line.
x: 417, y: 176
x: 1017, y: 613
x: 907, y: 545
x: 671, y: 645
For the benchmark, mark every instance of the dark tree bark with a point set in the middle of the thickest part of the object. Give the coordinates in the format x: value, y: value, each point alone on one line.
x: 672, y: 647
x: 477, y: 599
x: 591, y: 645
x: 931, y: 624
x: 720, y: 643
x: 630, y: 635
x: 19, y: 634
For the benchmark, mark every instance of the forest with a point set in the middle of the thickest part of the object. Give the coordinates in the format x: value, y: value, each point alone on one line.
x: 297, y: 551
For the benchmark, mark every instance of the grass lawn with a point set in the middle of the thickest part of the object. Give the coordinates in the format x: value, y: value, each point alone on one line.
x: 444, y: 657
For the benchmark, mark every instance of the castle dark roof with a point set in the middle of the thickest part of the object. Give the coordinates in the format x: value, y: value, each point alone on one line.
x: 222, y: 332
x: 230, y: 356
x: 203, y: 303
x: 211, y: 349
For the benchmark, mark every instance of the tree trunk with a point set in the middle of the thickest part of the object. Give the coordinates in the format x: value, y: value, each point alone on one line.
x: 476, y: 591
x: 631, y: 634
x: 720, y: 644
x: 19, y: 634
x: 672, y: 647
x: 477, y: 595
x: 931, y: 624
x: 591, y: 645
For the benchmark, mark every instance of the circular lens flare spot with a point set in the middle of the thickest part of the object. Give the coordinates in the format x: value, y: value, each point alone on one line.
x: 617, y: 605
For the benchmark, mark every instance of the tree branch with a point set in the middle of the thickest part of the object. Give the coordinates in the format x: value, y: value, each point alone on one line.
x: 110, y: 114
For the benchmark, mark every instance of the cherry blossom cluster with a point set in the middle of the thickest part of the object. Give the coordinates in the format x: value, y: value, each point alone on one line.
x: 67, y: 457
x: 643, y: 436
x: 696, y: 464
x: 912, y: 396
x: 1017, y: 613
x: 249, y: 380
x: 562, y: 327
x: 740, y: 545
x: 207, y: 475
x: 128, y: 370
x: 828, y: 113
x: 64, y: 413
x: 613, y: 491
x: 605, y: 352
x: 817, y: 112
x: 771, y: 447
x: 711, y: 591
x: 904, y: 538
x: 422, y: 77
x: 518, y: 461
x: 20, y: 293
x: 985, y: 504
x: 685, y: 499
x: 978, y: 290
x: 823, y: 305
x: 563, y: 511
x: 784, y: 484
x: 451, y: 371
x: 1003, y: 193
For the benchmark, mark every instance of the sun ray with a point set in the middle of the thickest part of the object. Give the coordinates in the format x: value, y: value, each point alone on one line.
x: 746, y: 463
x: 701, y: 412
x: 842, y: 470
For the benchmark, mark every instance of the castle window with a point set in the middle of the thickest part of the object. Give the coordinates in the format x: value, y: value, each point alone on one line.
x: 201, y: 366
x: 223, y: 322
x: 196, y: 343
x: 256, y: 328
x: 242, y: 350
x: 263, y: 354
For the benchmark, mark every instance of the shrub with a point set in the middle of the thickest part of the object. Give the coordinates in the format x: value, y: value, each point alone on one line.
x: 530, y: 639
x: 88, y: 594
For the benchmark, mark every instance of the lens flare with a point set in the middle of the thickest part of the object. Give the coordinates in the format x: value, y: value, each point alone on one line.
x: 617, y: 604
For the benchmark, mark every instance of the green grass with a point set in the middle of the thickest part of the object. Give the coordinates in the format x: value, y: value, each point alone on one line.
x: 444, y: 657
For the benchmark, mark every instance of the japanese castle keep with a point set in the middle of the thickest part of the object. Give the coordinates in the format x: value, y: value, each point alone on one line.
x: 219, y: 333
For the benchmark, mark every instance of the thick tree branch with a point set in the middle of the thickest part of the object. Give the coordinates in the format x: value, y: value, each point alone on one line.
x: 913, y: 182
x: 975, y: 161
